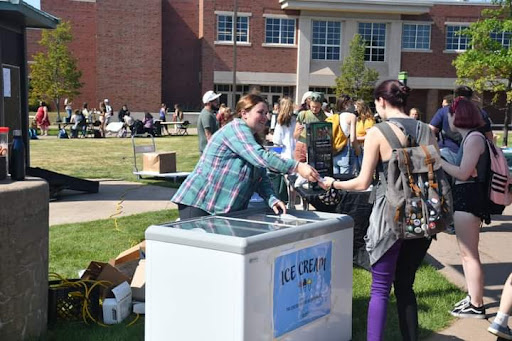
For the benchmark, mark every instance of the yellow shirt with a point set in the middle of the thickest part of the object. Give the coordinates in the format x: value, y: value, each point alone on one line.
x: 363, y: 126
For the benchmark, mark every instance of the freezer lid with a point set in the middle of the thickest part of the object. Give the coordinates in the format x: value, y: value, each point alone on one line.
x: 249, y: 230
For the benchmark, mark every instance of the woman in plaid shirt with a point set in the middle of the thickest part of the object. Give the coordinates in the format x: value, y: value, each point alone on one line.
x: 234, y: 166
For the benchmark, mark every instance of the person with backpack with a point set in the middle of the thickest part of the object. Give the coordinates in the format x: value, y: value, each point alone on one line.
x: 470, y: 172
x: 449, y: 140
x: 345, y: 159
x: 393, y: 260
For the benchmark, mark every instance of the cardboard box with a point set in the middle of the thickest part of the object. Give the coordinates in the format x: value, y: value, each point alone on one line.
x: 163, y: 162
x: 104, y: 272
x: 138, y: 284
x: 134, y: 253
x: 116, y: 309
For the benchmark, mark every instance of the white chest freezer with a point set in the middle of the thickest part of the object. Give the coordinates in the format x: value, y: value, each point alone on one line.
x: 250, y: 276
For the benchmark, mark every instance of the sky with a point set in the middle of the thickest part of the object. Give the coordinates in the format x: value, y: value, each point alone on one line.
x: 35, y: 3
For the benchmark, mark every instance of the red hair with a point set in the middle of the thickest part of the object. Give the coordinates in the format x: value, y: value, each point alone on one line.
x: 467, y: 114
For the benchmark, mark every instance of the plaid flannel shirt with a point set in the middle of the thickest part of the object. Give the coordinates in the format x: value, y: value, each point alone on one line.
x: 233, y: 166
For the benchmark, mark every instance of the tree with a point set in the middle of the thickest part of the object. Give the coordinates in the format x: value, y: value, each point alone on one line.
x: 356, y: 79
x: 54, y: 74
x: 487, y: 65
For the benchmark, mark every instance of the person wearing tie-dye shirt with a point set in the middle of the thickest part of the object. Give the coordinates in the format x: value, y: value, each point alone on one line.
x: 234, y: 166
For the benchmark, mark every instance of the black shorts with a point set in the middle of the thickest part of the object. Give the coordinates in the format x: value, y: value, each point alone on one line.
x: 471, y: 198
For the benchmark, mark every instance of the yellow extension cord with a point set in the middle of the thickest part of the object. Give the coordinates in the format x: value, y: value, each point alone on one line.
x: 85, y: 297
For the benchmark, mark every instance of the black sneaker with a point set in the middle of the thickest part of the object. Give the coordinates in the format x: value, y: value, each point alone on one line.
x: 462, y: 302
x: 469, y: 311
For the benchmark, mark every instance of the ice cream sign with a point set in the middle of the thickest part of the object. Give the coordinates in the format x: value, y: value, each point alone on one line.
x: 302, y: 287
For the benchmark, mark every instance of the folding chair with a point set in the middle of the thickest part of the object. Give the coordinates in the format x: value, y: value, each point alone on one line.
x: 149, y: 147
x: 145, y: 148
x: 182, y: 128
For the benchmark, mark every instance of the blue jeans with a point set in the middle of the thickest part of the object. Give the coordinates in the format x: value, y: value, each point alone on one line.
x: 69, y: 112
x: 345, y: 162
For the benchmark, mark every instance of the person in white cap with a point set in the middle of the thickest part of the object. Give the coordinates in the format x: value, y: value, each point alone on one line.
x: 207, y: 123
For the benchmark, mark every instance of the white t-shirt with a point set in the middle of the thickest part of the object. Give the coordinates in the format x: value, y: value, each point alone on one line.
x: 283, y: 135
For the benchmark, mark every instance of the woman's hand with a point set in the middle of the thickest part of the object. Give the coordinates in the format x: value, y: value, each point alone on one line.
x: 326, y: 183
x: 308, y: 172
x: 279, y: 206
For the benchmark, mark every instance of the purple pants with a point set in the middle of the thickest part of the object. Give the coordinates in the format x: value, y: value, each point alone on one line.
x: 383, y: 274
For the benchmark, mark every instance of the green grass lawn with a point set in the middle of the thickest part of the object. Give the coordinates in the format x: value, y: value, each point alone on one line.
x: 110, y: 158
x: 73, y: 246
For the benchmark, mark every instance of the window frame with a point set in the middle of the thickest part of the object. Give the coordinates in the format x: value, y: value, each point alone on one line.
x: 240, y: 33
x: 369, y: 46
x: 416, y: 49
x: 503, y: 38
x: 461, y: 25
x: 280, y: 17
x: 326, y: 39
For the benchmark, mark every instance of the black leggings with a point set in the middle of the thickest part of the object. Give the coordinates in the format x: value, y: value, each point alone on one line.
x: 409, y: 260
x: 189, y: 212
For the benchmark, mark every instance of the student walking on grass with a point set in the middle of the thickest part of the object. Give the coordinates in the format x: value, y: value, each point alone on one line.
x: 471, y: 165
x: 393, y: 261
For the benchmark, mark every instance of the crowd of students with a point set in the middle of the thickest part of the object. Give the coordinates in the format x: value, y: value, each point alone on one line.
x: 234, y: 164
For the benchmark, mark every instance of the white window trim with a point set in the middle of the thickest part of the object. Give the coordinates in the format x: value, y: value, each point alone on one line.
x: 290, y: 46
x: 456, y: 23
x: 418, y: 50
x: 408, y: 49
x: 341, y: 40
x: 385, y: 43
x: 273, y: 16
x: 280, y: 16
x: 230, y: 43
x: 238, y: 14
x: 451, y: 23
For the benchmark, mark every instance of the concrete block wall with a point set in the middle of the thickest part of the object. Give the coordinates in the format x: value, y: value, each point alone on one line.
x: 24, y: 225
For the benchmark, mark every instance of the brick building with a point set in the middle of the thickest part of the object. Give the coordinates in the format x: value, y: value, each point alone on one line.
x: 143, y: 52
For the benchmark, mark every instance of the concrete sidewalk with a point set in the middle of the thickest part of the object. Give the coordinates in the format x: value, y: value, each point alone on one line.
x: 496, y: 257
x: 119, y: 198
x: 126, y: 198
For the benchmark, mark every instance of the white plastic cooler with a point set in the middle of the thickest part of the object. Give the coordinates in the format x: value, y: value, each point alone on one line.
x: 251, y: 275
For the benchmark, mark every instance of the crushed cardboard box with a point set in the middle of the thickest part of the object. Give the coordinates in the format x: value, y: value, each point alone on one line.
x: 99, y: 271
x: 160, y: 162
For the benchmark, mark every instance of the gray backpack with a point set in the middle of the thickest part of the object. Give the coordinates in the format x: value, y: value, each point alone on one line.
x: 418, y: 195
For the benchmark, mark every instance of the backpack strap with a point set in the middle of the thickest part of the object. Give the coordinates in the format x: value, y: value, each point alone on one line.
x: 423, y: 134
x: 389, y: 134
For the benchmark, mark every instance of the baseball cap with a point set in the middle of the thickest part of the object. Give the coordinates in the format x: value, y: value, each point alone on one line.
x: 305, y: 96
x: 210, y: 96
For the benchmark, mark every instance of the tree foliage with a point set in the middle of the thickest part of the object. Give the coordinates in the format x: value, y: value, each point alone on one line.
x: 356, y: 79
x: 54, y: 74
x: 487, y: 65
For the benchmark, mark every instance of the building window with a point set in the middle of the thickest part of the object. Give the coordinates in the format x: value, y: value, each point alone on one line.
x: 416, y: 36
x: 374, y: 35
x: 279, y: 31
x: 503, y: 38
x: 225, y: 28
x: 326, y: 40
x: 454, y: 40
